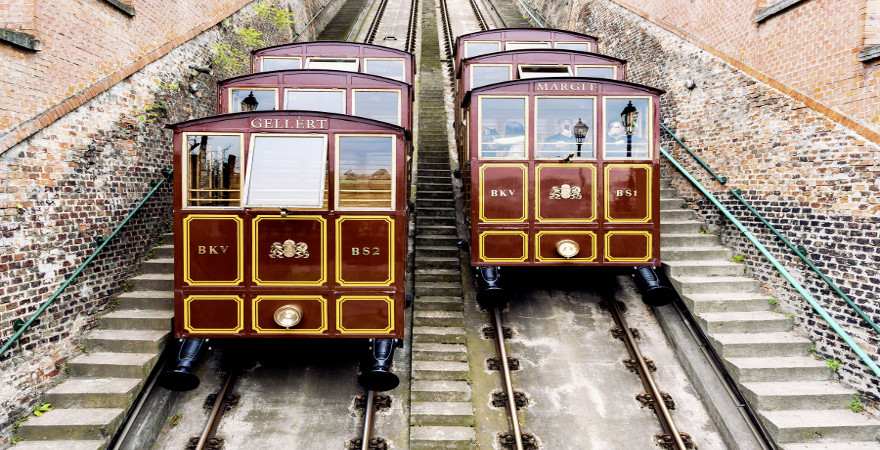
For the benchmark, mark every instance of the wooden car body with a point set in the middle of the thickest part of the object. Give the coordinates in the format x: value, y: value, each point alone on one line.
x: 336, y: 55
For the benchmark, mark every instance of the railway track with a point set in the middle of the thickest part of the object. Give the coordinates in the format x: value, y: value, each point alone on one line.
x: 222, y: 401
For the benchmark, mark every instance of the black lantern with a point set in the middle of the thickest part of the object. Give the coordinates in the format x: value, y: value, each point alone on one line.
x: 249, y: 103
x: 629, y: 117
x: 580, y: 133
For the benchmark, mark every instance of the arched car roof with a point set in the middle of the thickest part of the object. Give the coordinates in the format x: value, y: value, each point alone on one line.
x: 285, y: 112
x: 306, y: 72
x: 496, y: 30
x: 473, y: 59
x: 358, y: 44
x: 467, y: 98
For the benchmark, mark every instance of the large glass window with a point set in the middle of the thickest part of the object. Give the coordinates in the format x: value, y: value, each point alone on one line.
x: 477, y: 48
x: 213, y: 174
x: 627, y: 128
x: 555, y: 128
x: 327, y: 100
x: 578, y: 46
x: 388, y: 68
x: 347, y: 64
x: 379, y: 105
x: 287, y: 171
x: 502, y: 128
x: 252, y: 100
x: 268, y: 63
x: 526, y: 72
x: 365, y: 172
x: 483, y: 74
x: 596, y: 72
x: 525, y: 45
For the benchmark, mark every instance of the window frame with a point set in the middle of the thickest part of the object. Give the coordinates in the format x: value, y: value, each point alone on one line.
x: 336, y: 174
x: 250, y: 157
x: 473, y: 66
x: 519, y: 68
x: 590, y: 66
x: 506, y: 43
x: 386, y: 58
x: 185, y: 175
x: 395, y: 91
x: 262, y: 58
x: 595, y: 99
x: 587, y: 43
x: 526, y: 125
x: 343, y: 90
x: 465, y: 47
x: 356, y: 60
x: 649, y: 124
x: 234, y: 88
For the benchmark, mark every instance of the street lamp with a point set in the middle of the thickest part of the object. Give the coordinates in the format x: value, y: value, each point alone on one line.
x: 629, y: 116
x: 249, y: 103
x: 580, y: 133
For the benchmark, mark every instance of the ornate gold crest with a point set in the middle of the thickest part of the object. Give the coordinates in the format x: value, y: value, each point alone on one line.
x: 565, y: 192
x: 289, y: 249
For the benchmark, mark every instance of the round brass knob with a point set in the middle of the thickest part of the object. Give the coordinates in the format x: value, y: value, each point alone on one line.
x: 567, y: 248
x: 288, y: 316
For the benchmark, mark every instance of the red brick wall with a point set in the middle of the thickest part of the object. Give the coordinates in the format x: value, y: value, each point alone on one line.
x: 17, y: 15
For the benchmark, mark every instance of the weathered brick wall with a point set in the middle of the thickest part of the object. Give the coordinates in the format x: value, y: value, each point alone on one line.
x: 814, y: 178
x: 17, y: 15
x: 75, y: 179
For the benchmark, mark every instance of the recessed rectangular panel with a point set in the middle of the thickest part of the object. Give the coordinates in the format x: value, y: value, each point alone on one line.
x: 365, y: 251
x: 289, y: 251
x: 628, y: 193
x: 548, y: 244
x: 312, y: 309
x: 503, y: 193
x: 629, y: 246
x: 212, y: 250
x: 502, y: 246
x: 213, y: 314
x: 364, y: 314
x: 565, y: 192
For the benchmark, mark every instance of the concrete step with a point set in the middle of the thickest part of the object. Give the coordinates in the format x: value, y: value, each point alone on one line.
x: 676, y: 214
x: 704, y: 268
x: 94, y: 393
x: 668, y: 192
x: 433, y: 240
x: 726, y: 302
x: 439, y: 352
x: 438, y: 194
x: 446, y: 438
x: 436, y: 262
x: 72, y: 423
x: 421, y: 221
x: 438, y: 318
x: 137, y: 319
x: 824, y: 445
x: 680, y: 226
x: 430, y: 211
x: 747, y: 369
x: 163, y: 251
x: 713, y: 284
x: 153, y: 281
x: 439, y: 335
x: 433, y: 179
x: 161, y: 300
x: 126, y: 341
x: 435, y: 203
x: 438, y: 250
x: 732, y: 345
x: 713, y: 252
x: 449, y: 275
x: 167, y: 238
x: 744, y: 322
x: 797, y: 395
x: 687, y: 239
x: 828, y: 425
x: 439, y: 303
x: 669, y: 203
x: 440, y: 370
x: 112, y: 365
x: 158, y: 265
x: 435, y: 186
x: 440, y: 391
x: 436, y: 288
x: 436, y: 230
x: 63, y: 445
x: 442, y: 413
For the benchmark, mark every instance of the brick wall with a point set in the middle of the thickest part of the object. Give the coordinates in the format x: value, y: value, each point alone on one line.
x: 17, y: 15
x: 815, y: 179
x: 75, y: 179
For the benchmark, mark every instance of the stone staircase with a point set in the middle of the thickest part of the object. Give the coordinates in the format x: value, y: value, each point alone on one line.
x: 441, y: 414
x: 795, y: 394
x: 90, y: 405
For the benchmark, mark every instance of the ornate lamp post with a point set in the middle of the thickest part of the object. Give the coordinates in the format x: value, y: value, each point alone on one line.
x: 580, y: 133
x: 249, y: 103
x: 629, y: 117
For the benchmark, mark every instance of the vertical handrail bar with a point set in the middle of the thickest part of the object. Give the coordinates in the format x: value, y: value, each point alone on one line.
x: 777, y: 265
x: 720, y: 178
x: 82, y: 267
x: 800, y: 252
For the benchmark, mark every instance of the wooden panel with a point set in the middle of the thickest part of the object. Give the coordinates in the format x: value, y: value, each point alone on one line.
x: 628, y: 246
x: 628, y: 193
x: 365, y: 251
x: 545, y: 245
x: 289, y: 251
x: 213, y: 314
x: 314, y: 314
x: 364, y: 314
x: 503, y: 246
x: 213, y: 250
x: 502, y: 193
x: 565, y: 192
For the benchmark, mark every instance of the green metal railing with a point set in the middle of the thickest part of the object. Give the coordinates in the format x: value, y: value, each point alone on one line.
x: 21, y: 326
x: 720, y: 178
x: 777, y: 265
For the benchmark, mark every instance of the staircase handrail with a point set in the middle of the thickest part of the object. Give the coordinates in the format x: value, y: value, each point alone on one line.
x: 21, y: 326
x: 776, y: 264
x: 720, y: 178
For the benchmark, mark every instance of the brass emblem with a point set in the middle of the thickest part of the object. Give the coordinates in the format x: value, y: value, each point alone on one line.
x: 289, y: 249
x: 565, y: 192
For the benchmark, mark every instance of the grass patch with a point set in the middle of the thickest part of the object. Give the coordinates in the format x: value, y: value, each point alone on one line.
x: 739, y: 259
x: 855, y: 405
x: 833, y: 364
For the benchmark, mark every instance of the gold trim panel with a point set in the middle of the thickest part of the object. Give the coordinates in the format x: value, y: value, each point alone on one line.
x: 391, y: 252
x: 322, y: 280
x: 593, y: 253
x: 525, y: 245
x: 255, y: 322
x: 346, y: 298
x: 239, y: 243
x: 524, y: 189
x: 649, y: 196
x: 650, y: 245
x: 593, y: 202
x: 194, y: 298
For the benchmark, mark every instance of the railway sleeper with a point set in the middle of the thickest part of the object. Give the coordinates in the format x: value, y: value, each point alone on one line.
x: 495, y: 363
x: 666, y: 441
x: 520, y: 399
x: 376, y: 443
x: 647, y: 400
x: 529, y: 441
x: 633, y: 365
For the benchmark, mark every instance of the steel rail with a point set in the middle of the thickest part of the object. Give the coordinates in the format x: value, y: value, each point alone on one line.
x: 481, y: 21
x: 369, y: 419
x: 217, y: 410
x: 505, y: 374
x: 536, y: 18
x: 412, y: 26
x: 377, y: 20
x: 660, y: 408
x: 498, y: 15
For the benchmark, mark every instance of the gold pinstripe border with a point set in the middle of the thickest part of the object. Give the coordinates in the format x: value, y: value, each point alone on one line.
x: 594, y: 248
x: 649, y: 172
x: 525, y: 245
x: 255, y: 322
x: 347, y: 298
x: 240, y: 249
x: 194, y: 298
x: 255, y: 260
x: 649, y: 245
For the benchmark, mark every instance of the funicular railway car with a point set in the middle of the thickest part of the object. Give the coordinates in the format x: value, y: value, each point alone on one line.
x: 563, y: 172
x: 290, y: 225
x: 337, y: 55
x: 356, y: 94
x: 507, y: 39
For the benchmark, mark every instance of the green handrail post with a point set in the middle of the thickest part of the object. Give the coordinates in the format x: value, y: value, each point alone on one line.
x: 20, y: 327
x: 801, y: 253
x: 720, y: 178
x: 777, y: 265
